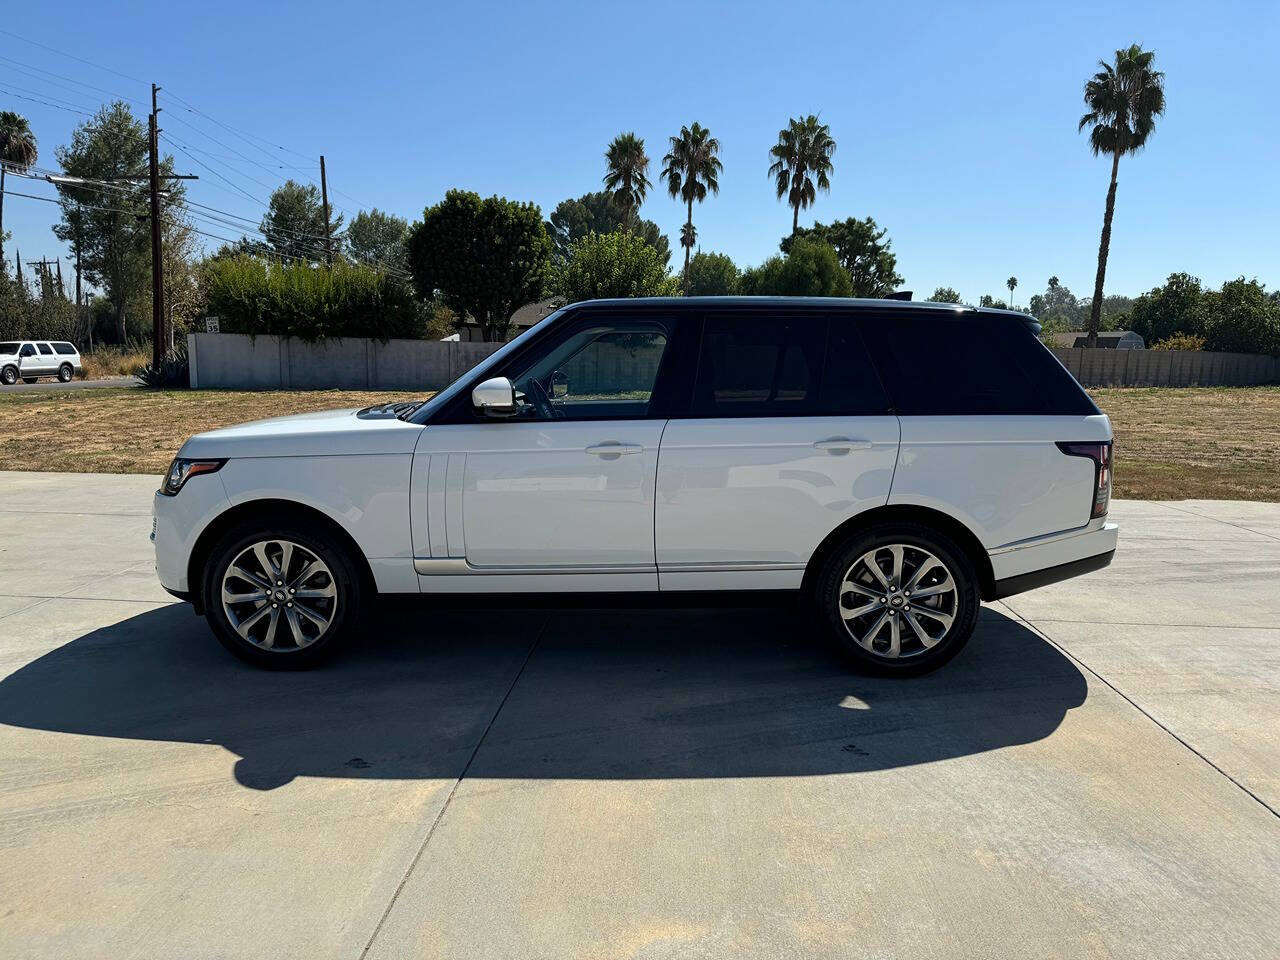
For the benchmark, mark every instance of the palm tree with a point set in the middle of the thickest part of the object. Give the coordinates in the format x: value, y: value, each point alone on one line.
x: 1124, y: 98
x: 803, y: 151
x: 627, y: 175
x: 691, y: 168
x: 1011, y: 283
x: 17, y: 151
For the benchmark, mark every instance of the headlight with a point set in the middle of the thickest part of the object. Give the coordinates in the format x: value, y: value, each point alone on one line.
x: 181, y: 470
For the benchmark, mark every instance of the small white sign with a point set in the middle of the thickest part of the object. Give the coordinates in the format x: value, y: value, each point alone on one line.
x: 211, y: 324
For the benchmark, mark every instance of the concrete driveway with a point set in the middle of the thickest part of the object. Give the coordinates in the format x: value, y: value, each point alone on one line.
x: 1095, y: 776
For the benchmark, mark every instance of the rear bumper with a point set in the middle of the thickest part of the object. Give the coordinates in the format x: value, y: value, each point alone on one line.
x: 1039, y: 578
x: 1034, y: 563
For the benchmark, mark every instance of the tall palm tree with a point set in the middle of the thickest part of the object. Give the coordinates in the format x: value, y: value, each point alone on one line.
x: 17, y: 152
x: 691, y: 168
x: 1011, y: 283
x: 803, y: 152
x: 1124, y: 98
x: 626, y: 176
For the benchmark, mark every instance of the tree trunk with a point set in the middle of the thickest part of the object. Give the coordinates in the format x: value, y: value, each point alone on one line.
x: 1104, y: 247
x: 795, y: 219
x: 688, y: 248
x: 120, y: 325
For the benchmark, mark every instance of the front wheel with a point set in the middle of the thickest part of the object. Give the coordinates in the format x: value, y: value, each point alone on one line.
x: 9, y: 376
x: 280, y: 597
x: 898, y: 599
x: 65, y: 373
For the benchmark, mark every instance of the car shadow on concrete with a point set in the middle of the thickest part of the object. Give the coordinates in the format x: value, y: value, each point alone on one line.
x: 572, y: 692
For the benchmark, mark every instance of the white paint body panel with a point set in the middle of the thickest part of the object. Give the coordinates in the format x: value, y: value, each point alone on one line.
x: 517, y: 498
x: 1002, y: 477
x: 756, y: 494
x: 179, y: 521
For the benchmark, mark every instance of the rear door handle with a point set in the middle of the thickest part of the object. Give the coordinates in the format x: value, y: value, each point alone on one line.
x: 843, y: 443
x: 612, y: 448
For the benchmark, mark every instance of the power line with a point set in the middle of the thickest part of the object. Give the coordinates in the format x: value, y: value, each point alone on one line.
x: 45, y: 102
x: 63, y: 53
x: 25, y: 67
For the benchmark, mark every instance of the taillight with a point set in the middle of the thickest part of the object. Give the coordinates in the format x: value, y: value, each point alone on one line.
x: 1100, y: 454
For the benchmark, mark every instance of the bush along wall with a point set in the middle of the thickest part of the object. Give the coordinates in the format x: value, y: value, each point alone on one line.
x: 254, y: 296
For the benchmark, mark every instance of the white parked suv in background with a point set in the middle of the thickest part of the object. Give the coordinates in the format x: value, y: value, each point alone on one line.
x: 895, y: 463
x: 29, y: 360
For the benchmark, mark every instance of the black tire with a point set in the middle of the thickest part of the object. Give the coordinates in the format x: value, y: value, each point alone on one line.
x: 9, y: 376
x: 827, y: 599
x: 66, y: 372
x: 350, y: 601
x: 30, y: 379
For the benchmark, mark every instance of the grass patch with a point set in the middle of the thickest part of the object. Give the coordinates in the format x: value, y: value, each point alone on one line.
x: 1171, y: 443
x: 115, y: 362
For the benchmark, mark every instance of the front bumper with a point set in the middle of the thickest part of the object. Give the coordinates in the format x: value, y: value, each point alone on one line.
x: 177, y: 523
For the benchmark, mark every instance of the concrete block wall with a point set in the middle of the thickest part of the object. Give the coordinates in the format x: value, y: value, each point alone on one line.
x: 1168, y: 368
x: 233, y: 361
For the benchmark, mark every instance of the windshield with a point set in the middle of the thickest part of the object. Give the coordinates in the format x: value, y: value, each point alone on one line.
x: 422, y: 412
x: 9, y: 347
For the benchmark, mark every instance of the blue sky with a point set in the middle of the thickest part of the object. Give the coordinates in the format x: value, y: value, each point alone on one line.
x: 956, y: 123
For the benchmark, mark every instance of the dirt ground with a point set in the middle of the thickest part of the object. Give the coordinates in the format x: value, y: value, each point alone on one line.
x: 1171, y: 444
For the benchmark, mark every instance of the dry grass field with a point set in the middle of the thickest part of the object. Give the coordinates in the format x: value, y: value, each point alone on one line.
x: 1171, y: 444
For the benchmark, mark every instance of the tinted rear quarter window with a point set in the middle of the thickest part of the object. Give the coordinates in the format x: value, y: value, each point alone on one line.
x: 948, y: 364
x: 64, y: 348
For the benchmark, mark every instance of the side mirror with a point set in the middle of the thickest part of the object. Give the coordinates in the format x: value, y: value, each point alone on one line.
x: 559, y: 385
x: 495, y: 397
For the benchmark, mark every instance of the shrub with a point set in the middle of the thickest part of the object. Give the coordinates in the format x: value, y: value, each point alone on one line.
x: 250, y: 295
x: 1241, y: 318
x: 613, y: 265
x: 1179, y: 341
x: 116, y: 361
x: 810, y: 269
x: 174, y: 370
x: 712, y: 275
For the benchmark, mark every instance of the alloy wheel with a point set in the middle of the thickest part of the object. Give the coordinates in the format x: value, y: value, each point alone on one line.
x: 898, y: 600
x: 279, y: 596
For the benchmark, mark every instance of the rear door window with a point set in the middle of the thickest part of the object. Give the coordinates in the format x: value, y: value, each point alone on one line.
x: 778, y: 366
x: 944, y: 364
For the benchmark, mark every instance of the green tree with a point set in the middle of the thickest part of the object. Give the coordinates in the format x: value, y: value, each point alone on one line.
x: 626, y: 175
x: 1177, y: 306
x: 1056, y: 308
x: 801, y: 157
x: 1241, y: 318
x: 811, y: 268
x: 111, y: 227
x: 379, y: 240
x: 615, y: 264
x: 294, y: 223
x: 1011, y: 283
x: 863, y: 251
x: 1123, y: 99
x: 18, y: 151
x: 712, y: 275
x: 987, y: 300
x: 691, y: 168
x: 483, y: 258
x: 597, y: 213
x: 944, y: 295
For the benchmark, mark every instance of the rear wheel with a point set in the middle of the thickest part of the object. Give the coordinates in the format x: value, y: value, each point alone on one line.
x: 898, y: 599
x: 65, y: 373
x: 281, y: 597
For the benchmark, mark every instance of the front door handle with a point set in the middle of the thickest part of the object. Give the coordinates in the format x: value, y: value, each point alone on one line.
x: 838, y: 444
x: 612, y: 448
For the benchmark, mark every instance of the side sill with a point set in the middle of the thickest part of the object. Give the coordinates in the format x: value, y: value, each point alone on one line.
x: 1063, y: 571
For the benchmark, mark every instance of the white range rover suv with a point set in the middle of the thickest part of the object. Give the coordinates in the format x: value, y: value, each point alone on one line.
x: 895, y: 463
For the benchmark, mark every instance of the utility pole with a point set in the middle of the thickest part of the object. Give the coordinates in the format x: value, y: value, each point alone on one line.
x: 324, y: 198
x: 157, y: 254
x: 79, y: 308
